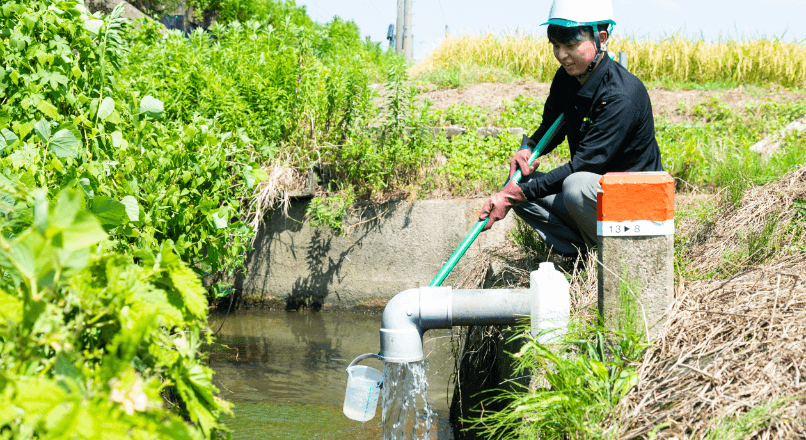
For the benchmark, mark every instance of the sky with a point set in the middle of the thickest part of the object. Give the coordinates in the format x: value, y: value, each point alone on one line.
x: 711, y: 19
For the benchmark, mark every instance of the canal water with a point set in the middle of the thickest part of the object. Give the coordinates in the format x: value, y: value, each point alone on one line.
x: 285, y: 373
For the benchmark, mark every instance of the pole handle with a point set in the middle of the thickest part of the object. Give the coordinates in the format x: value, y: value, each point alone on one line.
x: 471, y: 236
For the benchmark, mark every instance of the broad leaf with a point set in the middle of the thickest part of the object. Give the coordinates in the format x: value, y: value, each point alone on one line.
x: 9, y: 136
x: 249, y: 176
x: 42, y: 129
x: 261, y: 175
x: 132, y: 208
x: 106, y: 108
x: 117, y: 139
x: 64, y: 144
x: 109, y: 211
x: 188, y: 284
x: 220, y: 219
x: 10, y: 307
x: 151, y: 106
x: 48, y: 109
x: 83, y: 232
x: 94, y: 26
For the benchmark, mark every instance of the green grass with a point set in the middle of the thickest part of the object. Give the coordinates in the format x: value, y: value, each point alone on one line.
x: 579, y: 383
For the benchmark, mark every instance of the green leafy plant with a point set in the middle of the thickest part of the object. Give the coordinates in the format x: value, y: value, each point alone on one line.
x: 578, y: 382
x: 91, y: 340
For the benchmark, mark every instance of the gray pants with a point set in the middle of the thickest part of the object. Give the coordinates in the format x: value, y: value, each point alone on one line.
x: 566, y: 222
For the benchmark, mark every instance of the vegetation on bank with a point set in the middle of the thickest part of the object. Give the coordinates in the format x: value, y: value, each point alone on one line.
x: 109, y: 213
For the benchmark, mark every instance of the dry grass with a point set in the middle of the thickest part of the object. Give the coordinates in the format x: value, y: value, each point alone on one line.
x: 674, y: 59
x: 272, y: 193
x: 758, y: 228
x: 732, y: 347
x: 752, y: 62
x: 518, y: 53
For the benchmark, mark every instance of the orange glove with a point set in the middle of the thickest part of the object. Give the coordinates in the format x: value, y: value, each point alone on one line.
x: 497, y: 207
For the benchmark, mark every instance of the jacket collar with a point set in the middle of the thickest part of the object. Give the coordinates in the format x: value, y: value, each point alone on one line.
x: 596, y: 78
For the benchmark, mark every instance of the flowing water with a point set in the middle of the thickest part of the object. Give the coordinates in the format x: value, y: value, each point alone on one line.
x: 285, y: 374
x: 407, y: 414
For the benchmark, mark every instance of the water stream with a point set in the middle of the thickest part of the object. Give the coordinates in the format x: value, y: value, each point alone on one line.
x: 407, y: 414
x: 285, y: 374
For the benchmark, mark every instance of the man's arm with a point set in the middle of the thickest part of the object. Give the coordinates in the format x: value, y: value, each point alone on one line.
x: 610, y: 125
x: 551, y: 111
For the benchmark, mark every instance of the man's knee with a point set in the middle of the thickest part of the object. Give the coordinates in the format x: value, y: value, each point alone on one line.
x: 581, y: 183
x: 579, y: 188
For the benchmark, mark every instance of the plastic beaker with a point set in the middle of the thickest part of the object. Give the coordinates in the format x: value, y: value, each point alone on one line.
x: 363, y: 390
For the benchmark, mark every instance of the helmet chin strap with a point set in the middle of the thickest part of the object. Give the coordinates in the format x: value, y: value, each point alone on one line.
x: 599, y: 51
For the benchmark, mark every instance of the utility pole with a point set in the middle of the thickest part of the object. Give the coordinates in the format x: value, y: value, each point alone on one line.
x: 408, y: 37
x: 399, y: 27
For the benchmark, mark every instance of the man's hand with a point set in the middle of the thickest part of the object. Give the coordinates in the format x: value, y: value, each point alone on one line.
x: 521, y: 160
x: 498, y: 205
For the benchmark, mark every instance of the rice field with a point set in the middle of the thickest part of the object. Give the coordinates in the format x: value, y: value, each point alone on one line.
x: 671, y: 60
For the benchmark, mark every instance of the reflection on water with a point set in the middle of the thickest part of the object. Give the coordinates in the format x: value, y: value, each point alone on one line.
x: 285, y: 372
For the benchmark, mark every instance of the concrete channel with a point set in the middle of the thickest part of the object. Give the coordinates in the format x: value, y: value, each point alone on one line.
x: 389, y: 248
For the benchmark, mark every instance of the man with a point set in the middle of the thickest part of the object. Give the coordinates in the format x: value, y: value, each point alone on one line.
x: 608, y: 124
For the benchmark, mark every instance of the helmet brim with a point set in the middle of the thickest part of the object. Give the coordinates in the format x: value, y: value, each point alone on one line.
x: 570, y: 23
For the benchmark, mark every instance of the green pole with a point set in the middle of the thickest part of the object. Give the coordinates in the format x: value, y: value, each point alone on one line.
x: 471, y: 236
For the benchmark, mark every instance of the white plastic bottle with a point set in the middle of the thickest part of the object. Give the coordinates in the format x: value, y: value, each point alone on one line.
x: 551, y: 304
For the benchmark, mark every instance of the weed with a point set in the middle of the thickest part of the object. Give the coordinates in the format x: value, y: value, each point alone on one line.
x: 464, y: 115
x: 526, y: 239
x: 583, y: 379
x: 740, y: 426
x: 329, y: 211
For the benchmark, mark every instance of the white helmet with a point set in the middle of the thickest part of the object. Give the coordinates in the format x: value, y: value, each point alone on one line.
x: 573, y: 13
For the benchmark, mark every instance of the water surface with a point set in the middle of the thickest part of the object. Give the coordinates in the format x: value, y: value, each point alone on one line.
x: 285, y: 373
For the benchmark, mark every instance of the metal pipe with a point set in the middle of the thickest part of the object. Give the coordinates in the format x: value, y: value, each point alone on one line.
x: 412, y: 312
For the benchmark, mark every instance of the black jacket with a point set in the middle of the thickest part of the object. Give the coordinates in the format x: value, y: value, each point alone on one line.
x: 608, y: 123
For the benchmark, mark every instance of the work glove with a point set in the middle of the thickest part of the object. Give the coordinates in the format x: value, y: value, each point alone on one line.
x: 521, y: 159
x: 497, y: 207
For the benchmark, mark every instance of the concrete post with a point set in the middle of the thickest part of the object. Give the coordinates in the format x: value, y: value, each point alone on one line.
x: 408, y: 37
x: 399, y: 27
x: 636, y: 250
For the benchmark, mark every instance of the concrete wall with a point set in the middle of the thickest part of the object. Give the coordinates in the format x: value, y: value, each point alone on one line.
x: 390, y: 248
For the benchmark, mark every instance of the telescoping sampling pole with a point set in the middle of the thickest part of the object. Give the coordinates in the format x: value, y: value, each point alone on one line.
x: 471, y: 236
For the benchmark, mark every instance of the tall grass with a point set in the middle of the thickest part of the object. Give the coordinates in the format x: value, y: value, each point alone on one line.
x: 673, y: 59
x: 678, y: 59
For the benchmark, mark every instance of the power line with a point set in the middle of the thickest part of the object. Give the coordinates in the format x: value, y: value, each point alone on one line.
x: 370, y: 7
x: 323, y: 9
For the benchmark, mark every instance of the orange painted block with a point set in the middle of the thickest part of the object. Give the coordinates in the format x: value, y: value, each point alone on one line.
x: 636, y: 196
